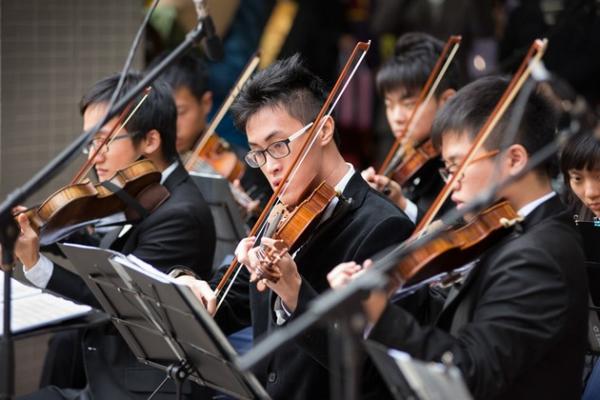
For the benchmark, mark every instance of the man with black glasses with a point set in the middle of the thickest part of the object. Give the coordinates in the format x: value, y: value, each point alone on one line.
x: 275, y: 109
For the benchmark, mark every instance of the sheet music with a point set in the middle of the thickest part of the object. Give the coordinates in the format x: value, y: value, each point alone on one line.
x: 431, y: 381
x: 31, y: 308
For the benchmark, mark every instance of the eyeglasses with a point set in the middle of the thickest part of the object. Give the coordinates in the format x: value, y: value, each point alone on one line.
x: 277, y: 150
x: 447, y: 172
x: 94, y: 143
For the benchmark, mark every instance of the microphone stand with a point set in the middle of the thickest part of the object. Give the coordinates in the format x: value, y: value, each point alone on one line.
x: 9, y: 231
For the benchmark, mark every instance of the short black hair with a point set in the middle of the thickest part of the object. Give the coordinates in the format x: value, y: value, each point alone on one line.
x: 468, y: 110
x: 189, y: 71
x: 158, y: 111
x: 287, y: 84
x: 581, y: 151
x: 414, y: 58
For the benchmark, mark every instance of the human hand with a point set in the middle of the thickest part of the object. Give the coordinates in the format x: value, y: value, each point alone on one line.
x: 202, y: 291
x: 385, y: 185
x: 27, y: 247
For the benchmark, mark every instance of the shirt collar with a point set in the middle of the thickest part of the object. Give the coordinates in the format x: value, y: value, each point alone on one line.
x: 529, y: 207
x: 168, y: 171
x: 341, y: 185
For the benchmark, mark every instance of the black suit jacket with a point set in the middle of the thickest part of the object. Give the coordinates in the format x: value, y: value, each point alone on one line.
x: 517, y: 327
x: 180, y: 232
x: 357, y: 230
x: 425, y: 186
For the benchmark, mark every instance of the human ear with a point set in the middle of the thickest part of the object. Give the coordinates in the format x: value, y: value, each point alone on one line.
x: 206, y: 102
x: 445, y: 96
x: 517, y: 158
x: 151, y: 142
x: 327, y: 131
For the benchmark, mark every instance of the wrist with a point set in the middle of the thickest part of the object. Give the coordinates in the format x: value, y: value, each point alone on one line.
x: 289, y: 296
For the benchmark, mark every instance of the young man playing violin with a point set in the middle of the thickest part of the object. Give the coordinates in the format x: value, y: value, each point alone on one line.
x: 400, y: 81
x: 179, y: 232
x: 273, y: 108
x: 516, y: 325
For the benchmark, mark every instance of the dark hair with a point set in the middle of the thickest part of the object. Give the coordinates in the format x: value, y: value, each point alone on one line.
x: 414, y: 58
x: 581, y: 151
x: 469, y: 109
x: 157, y: 112
x: 287, y: 84
x: 189, y: 71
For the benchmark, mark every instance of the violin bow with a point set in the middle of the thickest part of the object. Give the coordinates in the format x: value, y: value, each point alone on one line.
x: 124, y: 118
x: 435, y: 77
x: 235, y: 90
x: 356, y: 57
x: 534, y: 54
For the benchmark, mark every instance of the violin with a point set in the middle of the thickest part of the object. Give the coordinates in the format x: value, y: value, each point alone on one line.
x: 79, y: 203
x: 216, y: 156
x: 297, y: 226
x: 456, y: 247
x: 290, y: 228
x: 414, y: 161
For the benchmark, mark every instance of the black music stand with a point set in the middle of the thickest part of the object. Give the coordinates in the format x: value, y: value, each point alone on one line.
x: 229, y: 223
x: 408, y: 378
x: 162, y: 322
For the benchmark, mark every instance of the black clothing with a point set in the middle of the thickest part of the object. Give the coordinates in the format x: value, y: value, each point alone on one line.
x: 358, y: 229
x: 180, y: 232
x: 517, y: 326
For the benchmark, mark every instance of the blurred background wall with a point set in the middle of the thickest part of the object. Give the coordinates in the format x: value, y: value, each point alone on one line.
x: 52, y: 50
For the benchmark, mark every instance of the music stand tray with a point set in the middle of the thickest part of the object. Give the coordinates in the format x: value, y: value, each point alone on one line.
x: 163, y: 323
x: 408, y: 378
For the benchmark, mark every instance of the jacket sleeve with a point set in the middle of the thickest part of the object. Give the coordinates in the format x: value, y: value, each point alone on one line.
x: 70, y: 285
x: 391, y: 231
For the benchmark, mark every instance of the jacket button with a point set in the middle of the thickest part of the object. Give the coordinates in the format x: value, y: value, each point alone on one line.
x: 272, y: 377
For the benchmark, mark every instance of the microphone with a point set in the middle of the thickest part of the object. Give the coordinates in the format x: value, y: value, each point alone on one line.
x: 213, y: 48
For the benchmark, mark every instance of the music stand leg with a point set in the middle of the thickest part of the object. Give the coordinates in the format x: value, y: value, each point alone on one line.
x: 345, y: 336
x: 178, y: 373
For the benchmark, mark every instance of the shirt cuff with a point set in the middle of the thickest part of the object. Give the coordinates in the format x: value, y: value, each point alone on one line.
x: 281, y: 313
x: 40, y: 273
x: 411, y: 210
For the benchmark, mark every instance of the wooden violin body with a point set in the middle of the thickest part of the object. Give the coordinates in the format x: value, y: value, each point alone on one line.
x: 81, y: 202
x: 413, y: 161
x: 220, y: 158
x: 456, y: 247
x: 291, y: 227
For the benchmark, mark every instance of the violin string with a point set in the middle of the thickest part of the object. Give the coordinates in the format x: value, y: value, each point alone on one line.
x: 322, y: 123
x: 421, y: 109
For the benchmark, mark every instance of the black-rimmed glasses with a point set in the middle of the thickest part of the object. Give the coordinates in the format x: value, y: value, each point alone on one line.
x: 94, y: 143
x: 279, y: 149
x: 447, y: 172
